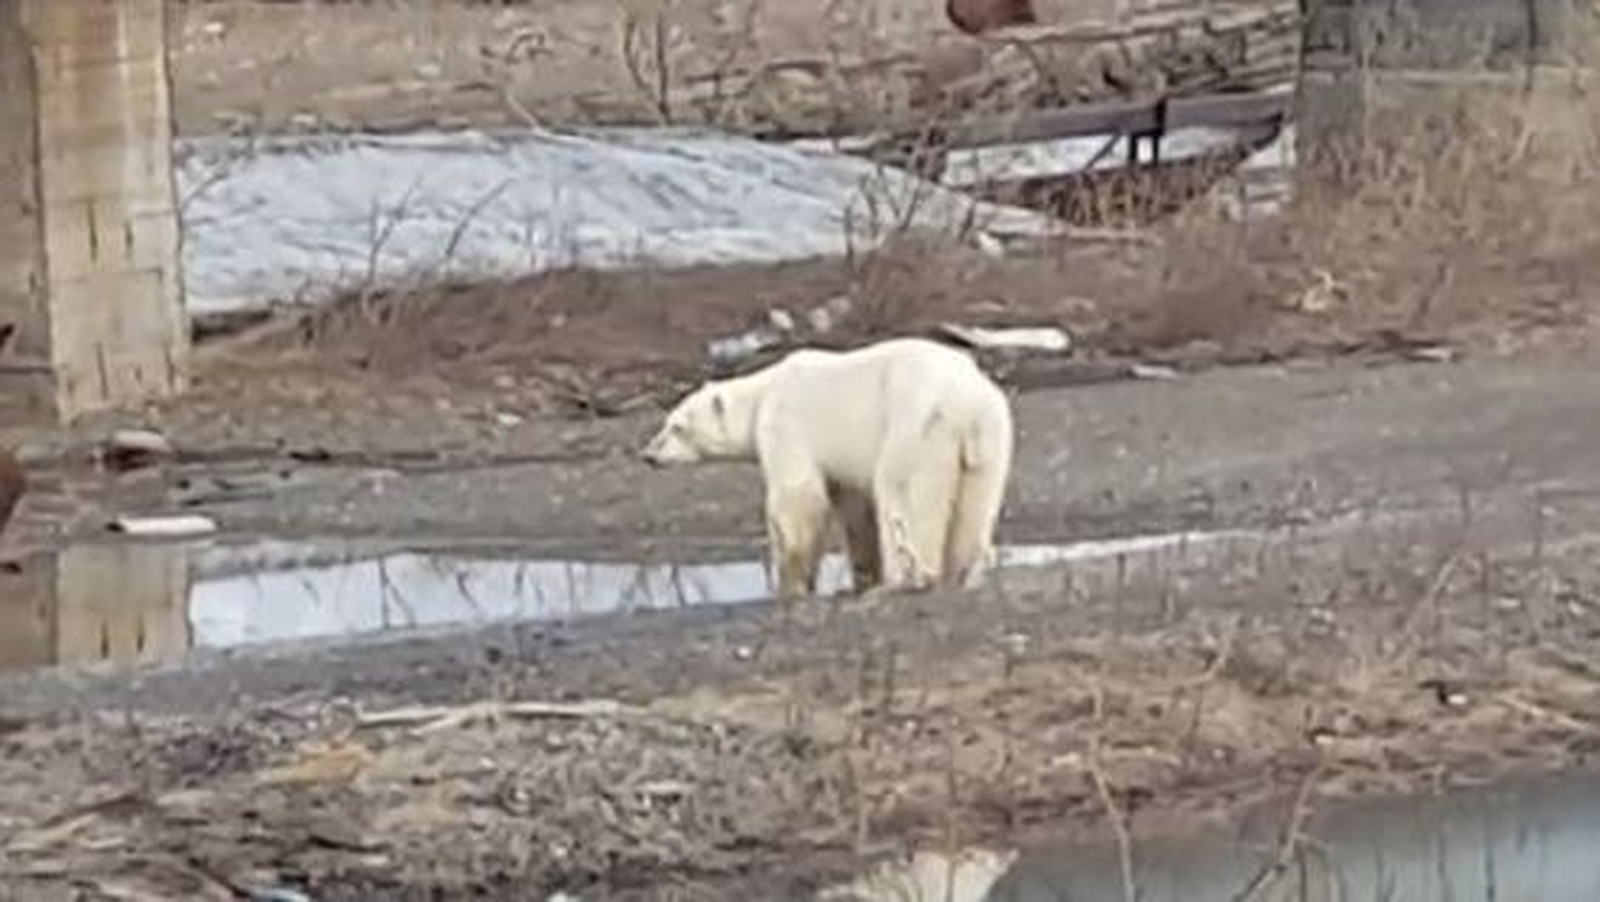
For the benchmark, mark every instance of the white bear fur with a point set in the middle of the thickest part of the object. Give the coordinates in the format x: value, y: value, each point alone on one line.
x: 907, y: 442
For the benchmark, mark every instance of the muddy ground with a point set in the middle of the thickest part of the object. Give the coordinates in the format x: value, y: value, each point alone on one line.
x: 1419, y: 610
x: 727, y: 754
x: 1417, y: 606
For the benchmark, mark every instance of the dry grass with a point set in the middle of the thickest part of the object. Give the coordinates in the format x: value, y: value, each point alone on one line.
x: 1456, y: 220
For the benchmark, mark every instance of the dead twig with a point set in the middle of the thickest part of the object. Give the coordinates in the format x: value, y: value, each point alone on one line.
x: 58, y: 828
x: 1289, y: 844
x: 1119, y: 825
x: 460, y: 230
x: 1427, y: 600
x: 1225, y: 649
x: 659, y: 90
x: 1542, y: 712
x: 380, y: 228
x: 436, y: 718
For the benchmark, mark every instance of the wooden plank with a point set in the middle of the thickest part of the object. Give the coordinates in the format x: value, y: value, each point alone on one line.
x: 1227, y: 110
x: 1107, y: 119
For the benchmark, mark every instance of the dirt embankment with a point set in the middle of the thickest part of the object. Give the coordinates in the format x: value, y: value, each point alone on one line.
x: 659, y: 756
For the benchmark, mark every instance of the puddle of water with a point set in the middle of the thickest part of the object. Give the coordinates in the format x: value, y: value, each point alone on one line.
x: 1533, y: 842
x: 148, y: 601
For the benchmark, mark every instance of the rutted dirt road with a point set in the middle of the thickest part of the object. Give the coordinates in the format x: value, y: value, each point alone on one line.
x: 1232, y: 447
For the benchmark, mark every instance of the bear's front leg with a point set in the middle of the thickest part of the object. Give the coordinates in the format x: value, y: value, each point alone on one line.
x: 797, y: 520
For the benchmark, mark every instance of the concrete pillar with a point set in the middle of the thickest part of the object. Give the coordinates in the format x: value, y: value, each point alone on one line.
x: 89, y: 239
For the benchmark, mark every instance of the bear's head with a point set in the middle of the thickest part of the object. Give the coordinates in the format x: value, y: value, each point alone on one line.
x: 700, y: 428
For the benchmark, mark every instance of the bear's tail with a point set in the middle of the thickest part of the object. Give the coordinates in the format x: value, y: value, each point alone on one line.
x: 986, y: 441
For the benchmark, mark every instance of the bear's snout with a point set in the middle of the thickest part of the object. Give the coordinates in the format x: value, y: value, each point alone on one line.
x: 651, y: 454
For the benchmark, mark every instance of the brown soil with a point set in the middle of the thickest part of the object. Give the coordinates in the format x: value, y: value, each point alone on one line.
x: 273, y: 67
x: 757, y: 754
x: 536, y: 367
x: 715, y: 756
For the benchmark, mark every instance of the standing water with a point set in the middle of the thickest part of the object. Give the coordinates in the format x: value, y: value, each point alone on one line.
x: 1534, y: 841
x: 153, y: 601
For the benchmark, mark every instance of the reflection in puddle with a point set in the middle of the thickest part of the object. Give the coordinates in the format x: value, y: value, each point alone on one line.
x: 425, y: 589
x: 145, y: 601
x: 965, y: 876
x: 119, y: 603
x: 1532, y: 841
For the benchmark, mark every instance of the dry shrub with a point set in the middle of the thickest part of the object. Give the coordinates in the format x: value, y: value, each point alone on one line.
x: 1462, y: 178
x: 1459, y: 213
x: 907, y: 279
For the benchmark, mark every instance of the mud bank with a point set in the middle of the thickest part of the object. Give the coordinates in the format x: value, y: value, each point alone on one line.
x: 628, y: 755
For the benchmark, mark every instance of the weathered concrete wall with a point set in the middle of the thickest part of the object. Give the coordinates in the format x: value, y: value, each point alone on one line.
x: 1348, y: 41
x: 94, y: 286
x: 1426, y: 34
x: 25, y: 363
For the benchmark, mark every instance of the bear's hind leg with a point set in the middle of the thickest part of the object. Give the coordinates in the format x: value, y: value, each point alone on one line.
x: 913, y: 492
x: 797, y: 521
x: 859, y: 519
x: 985, y: 463
x: 970, y: 553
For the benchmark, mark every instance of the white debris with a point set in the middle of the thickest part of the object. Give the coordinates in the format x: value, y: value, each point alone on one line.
x: 780, y: 319
x: 832, y: 312
x: 1048, y: 339
x: 725, y: 351
x: 1152, y: 371
x: 1435, y: 354
x: 929, y: 877
x: 165, y: 527
x: 127, y: 449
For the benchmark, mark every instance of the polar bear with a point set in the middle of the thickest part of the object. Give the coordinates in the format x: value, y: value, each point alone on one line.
x: 907, y: 443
